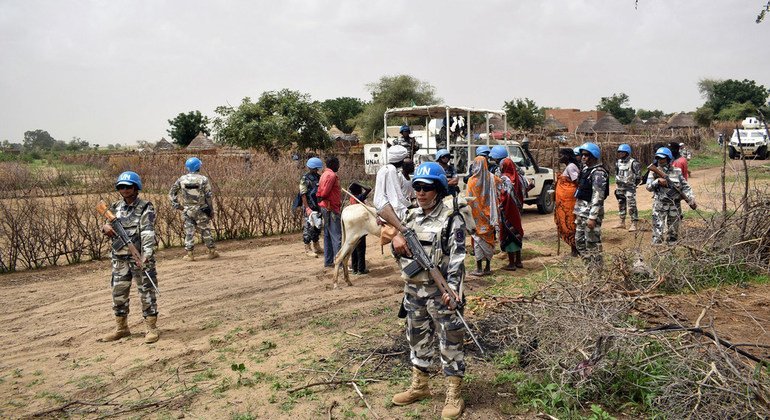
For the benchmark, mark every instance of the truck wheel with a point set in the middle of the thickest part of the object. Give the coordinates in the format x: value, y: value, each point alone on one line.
x: 762, y: 153
x: 545, y: 202
x: 732, y: 153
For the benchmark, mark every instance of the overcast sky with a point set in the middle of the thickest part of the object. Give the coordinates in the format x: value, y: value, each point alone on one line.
x: 116, y: 71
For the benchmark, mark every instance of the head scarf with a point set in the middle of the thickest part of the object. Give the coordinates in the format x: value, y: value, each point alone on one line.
x: 397, y: 153
x: 511, y: 230
x: 483, y: 186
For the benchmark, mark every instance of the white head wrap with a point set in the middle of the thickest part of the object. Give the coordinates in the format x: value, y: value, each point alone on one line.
x: 397, y: 153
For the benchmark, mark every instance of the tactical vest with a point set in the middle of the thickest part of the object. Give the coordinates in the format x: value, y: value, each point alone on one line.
x: 585, y: 188
x: 312, y: 179
x: 625, y: 171
x: 192, y: 186
x: 130, y: 221
x: 434, y: 240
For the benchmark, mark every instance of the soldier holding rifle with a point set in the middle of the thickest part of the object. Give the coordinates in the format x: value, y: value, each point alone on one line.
x: 669, y: 188
x: 431, y: 252
x: 133, y: 256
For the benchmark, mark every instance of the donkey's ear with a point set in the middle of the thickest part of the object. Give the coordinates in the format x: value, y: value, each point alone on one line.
x: 469, y: 199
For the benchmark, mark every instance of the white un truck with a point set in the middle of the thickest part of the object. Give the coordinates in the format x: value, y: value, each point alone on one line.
x: 446, y: 128
x: 750, y: 141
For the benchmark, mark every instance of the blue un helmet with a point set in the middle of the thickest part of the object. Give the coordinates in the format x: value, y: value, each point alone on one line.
x: 624, y: 148
x: 498, y: 152
x: 441, y: 153
x: 193, y: 164
x: 576, y: 151
x: 430, y: 172
x: 482, y: 150
x: 314, y: 163
x: 405, y: 128
x: 129, y: 178
x: 664, y: 152
x: 593, y: 149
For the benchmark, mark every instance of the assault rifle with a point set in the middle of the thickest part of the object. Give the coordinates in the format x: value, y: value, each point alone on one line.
x: 421, y: 257
x: 121, y: 233
x: 660, y: 174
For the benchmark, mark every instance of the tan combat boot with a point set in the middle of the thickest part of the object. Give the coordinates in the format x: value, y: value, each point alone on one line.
x: 212, y: 254
x: 416, y: 392
x: 633, y: 227
x: 152, y: 330
x: 121, y: 330
x: 454, y: 405
x: 309, y: 252
x: 189, y: 256
x: 317, y: 248
x: 621, y: 224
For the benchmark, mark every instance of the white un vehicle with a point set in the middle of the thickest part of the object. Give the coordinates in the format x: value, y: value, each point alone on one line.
x: 750, y: 141
x: 447, y: 128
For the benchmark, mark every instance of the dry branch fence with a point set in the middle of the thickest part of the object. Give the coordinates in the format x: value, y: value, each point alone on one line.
x: 47, y: 217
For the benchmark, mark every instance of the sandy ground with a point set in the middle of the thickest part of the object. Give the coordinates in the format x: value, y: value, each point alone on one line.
x: 266, y: 305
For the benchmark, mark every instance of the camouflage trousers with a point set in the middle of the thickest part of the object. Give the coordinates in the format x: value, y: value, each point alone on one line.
x: 196, y: 219
x: 626, y: 195
x: 426, y: 314
x: 666, y: 218
x: 310, y: 233
x: 123, y: 272
x: 589, y: 241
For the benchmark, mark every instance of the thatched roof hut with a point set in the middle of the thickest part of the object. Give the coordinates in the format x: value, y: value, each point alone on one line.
x: 586, y: 127
x: 681, y: 120
x: 552, y: 125
x: 162, y: 145
x: 201, y: 142
x: 609, y: 125
x: 652, y: 121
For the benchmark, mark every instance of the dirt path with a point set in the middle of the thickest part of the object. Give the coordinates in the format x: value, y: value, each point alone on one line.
x: 263, y: 304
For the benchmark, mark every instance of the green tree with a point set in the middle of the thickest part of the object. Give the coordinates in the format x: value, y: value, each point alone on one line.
x: 185, y: 127
x: 720, y: 94
x: 342, y: 111
x: 737, y: 112
x: 392, y: 92
x: 523, y: 113
x: 279, y: 120
x: 77, y: 144
x: 647, y: 114
x: 704, y: 116
x: 614, y: 105
x: 38, y: 139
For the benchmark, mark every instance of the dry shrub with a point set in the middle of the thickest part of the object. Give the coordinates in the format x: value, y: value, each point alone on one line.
x: 48, y: 216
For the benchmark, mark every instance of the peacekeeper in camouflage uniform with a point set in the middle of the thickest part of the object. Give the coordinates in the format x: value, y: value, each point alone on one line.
x: 427, y: 311
x: 197, y: 207
x: 593, y: 188
x: 628, y: 174
x: 666, y: 200
x: 137, y: 217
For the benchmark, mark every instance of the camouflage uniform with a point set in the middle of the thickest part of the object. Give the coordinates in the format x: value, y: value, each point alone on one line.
x: 138, y: 219
x: 667, y: 203
x: 422, y: 298
x: 628, y: 175
x: 593, y: 186
x: 308, y: 186
x: 196, y: 207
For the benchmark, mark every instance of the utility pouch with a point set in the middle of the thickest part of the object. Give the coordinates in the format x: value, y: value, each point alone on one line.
x: 412, y: 269
x: 206, y: 209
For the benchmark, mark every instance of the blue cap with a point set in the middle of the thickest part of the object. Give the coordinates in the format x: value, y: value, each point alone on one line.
x: 482, y: 150
x: 129, y: 178
x: 314, y: 163
x: 625, y: 148
x: 193, y: 164
x: 498, y: 152
x: 441, y: 153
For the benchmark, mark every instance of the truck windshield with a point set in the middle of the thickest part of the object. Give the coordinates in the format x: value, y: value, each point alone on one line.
x: 516, y: 155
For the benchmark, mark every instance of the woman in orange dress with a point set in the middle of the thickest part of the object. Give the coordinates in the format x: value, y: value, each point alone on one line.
x: 483, y: 185
x: 566, y: 185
